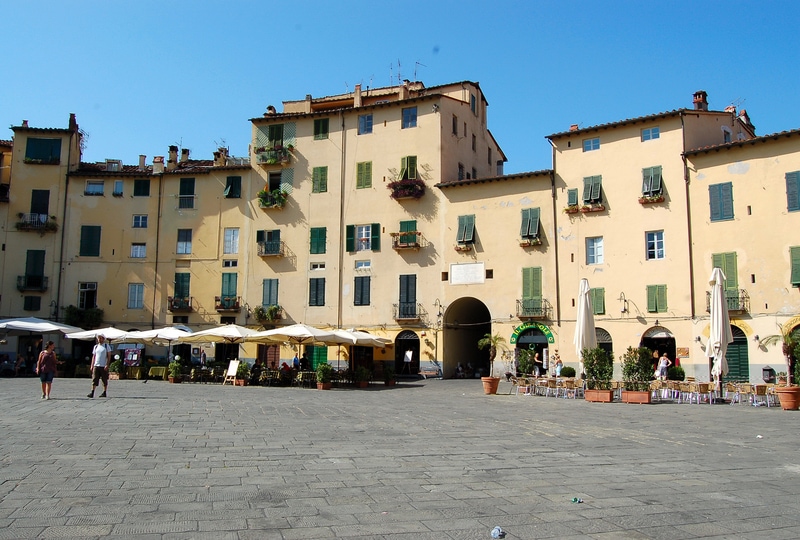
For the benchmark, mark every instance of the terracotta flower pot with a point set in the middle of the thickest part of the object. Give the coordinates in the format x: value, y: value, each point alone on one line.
x: 789, y: 396
x: 324, y: 385
x: 490, y: 384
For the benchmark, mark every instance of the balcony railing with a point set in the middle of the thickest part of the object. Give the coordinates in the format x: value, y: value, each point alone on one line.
x: 186, y: 202
x: 179, y: 303
x: 36, y: 222
x: 32, y: 283
x: 738, y: 301
x: 408, y: 311
x: 272, y: 248
x: 273, y: 156
x: 408, y: 240
x: 227, y: 303
x: 533, y: 308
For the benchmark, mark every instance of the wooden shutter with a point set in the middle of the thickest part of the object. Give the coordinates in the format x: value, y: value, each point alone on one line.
x: 34, y: 262
x: 350, y: 238
x: 408, y: 289
x: 316, y: 292
x: 572, y: 197
x: 466, y: 229
x: 229, y: 284
x: 794, y: 254
x: 40, y: 201
x: 526, y: 223
x: 269, y: 295
x: 656, y: 298
x: 233, y: 187
x: 261, y: 236
x: 182, y: 281
x: 375, y: 236
x: 598, y: 296
x: 362, y: 286
x: 587, y: 189
x: 655, y: 186
x: 318, y: 239
x: 727, y: 262
x: 405, y: 227
x: 597, y: 182
x: 364, y: 175
x: 532, y: 291
x: 793, y: 191
x: 90, y: 241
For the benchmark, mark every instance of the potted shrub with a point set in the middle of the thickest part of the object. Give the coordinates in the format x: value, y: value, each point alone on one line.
x: 525, y: 362
x: 788, y: 395
x: 389, y: 374
x: 493, y: 342
x: 675, y: 373
x: 115, y: 369
x: 324, y: 376
x: 242, y: 374
x: 568, y: 372
x: 637, y: 371
x: 362, y: 376
x: 599, y: 367
x: 174, y: 369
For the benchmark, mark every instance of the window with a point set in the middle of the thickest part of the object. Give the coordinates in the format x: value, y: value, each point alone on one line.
x: 316, y: 292
x: 186, y: 194
x: 363, y: 238
x: 269, y: 242
x: 460, y: 171
x: 530, y: 223
x: 474, y: 143
x: 182, y: 281
x: 44, y: 151
x: 269, y: 292
x: 231, y: 246
x: 592, y: 190
x: 117, y: 188
x: 793, y: 191
x: 651, y: 181
x: 409, y: 117
x: 319, y: 182
x: 320, y: 129
x: 90, y: 241
x: 532, y: 291
x: 794, y: 256
x: 363, y: 265
x: 233, y: 187
x: 135, y: 295
x: 32, y: 303
x: 93, y: 187
x: 87, y: 295
x: 228, y: 291
x: 720, y: 198
x: 138, y: 251
x: 407, y: 307
x: 140, y: 221
x: 364, y: 124
x: 473, y: 104
x: 408, y: 233
x: 728, y: 264
x: 275, y: 135
x: 184, y: 242
x: 361, y: 297
x: 656, y: 298
x: 466, y: 229
x: 726, y: 134
x: 572, y: 197
x: 364, y: 175
x: 455, y: 125
x: 489, y: 156
x: 474, y: 173
x: 654, y: 245
x: 318, y: 240
x: 40, y: 201
x: 230, y: 263
x: 598, y: 299
x: 594, y: 250
x: 141, y: 188
x: 591, y: 144
x: 316, y: 266
x: 408, y: 168
x: 648, y: 134
x: 34, y: 269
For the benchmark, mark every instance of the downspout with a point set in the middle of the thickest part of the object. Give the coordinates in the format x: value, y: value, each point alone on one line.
x: 555, y: 232
x: 57, y: 307
x: 342, y: 235
x: 158, y: 235
x: 686, y: 180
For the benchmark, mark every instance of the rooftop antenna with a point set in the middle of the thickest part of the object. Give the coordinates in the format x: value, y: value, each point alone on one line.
x: 399, y: 77
x: 415, y: 69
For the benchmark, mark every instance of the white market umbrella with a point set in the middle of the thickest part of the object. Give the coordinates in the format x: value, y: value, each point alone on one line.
x: 585, y: 336
x: 157, y: 336
x: 109, y: 333
x: 300, y: 334
x: 363, y: 339
x: 720, y: 334
x: 21, y: 325
x: 229, y: 333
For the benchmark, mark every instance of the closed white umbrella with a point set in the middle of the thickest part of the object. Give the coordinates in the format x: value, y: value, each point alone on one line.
x: 720, y: 334
x: 585, y: 336
x: 109, y: 333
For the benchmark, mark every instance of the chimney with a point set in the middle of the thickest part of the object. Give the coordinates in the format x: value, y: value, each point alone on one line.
x: 270, y: 110
x: 73, y: 124
x: 357, y: 96
x: 221, y: 157
x: 142, y: 160
x: 744, y: 117
x: 308, y: 104
x: 158, y: 165
x: 404, y: 90
x: 24, y: 123
x: 731, y: 109
x: 573, y: 127
x: 172, y: 161
x: 184, y: 155
x: 700, y: 100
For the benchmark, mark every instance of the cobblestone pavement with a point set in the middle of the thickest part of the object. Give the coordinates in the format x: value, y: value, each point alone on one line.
x: 422, y: 460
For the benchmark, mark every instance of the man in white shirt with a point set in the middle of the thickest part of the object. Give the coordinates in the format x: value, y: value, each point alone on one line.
x: 99, y: 368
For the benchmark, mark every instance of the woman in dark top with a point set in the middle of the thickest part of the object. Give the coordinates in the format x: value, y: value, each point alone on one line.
x: 46, y: 368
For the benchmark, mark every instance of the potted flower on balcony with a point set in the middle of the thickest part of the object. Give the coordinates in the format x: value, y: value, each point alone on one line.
x: 272, y: 199
x: 651, y: 199
x: 407, y: 188
x: 637, y: 371
x: 572, y: 209
x: 599, y: 367
x: 494, y: 343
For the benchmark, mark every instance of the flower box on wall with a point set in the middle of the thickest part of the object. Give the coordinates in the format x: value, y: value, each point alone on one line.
x: 463, y: 247
x: 572, y: 209
x: 645, y: 199
x: 527, y: 242
x: 592, y: 208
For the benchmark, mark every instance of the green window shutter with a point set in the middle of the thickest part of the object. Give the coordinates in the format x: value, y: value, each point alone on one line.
x: 793, y: 191
x: 533, y: 232
x: 320, y: 180
x: 182, y: 281
x: 598, y: 296
x: 321, y: 128
x: 375, y: 236
x: 275, y: 134
x: 726, y: 198
x: 652, y: 299
x: 412, y: 167
x: 572, y: 197
x: 661, y: 297
x: 714, y: 202
x: 187, y: 186
x: 655, y: 187
x: 316, y: 292
x: 721, y: 201
x: 362, y: 286
x: 364, y: 175
x: 261, y: 236
x: 350, y: 238
x: 229, y: 284
x: 34, y: 262
x: 587, y: 189
x: 597, y: 182
x: 403, y: 167
x: 406, y: 227
x: 532, y: 291
x: 647, y: 180
x: 462, y: 228
x: 794, y: 253
x: 466, y: 229
x: 90, y: 241
x: 727, y: 263
x: 408, y: 289
x: 269, y: 295
x: 318, y: 240
x: 526, y: 223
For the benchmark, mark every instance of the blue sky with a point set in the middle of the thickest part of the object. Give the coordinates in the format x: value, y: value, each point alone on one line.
x: 143, y: 75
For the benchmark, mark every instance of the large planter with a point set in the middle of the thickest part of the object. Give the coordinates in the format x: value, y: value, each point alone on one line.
x: 637, y: 396
x: 324, y: 385
x: 174, y: 380
x: 490, y: 384
x: 362, y: 384
x: 241, y: 382
x: 390, y: 383
x: 789, y: 396
x: 599, y: 396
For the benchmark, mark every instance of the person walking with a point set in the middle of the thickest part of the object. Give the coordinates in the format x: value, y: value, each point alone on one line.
x: 46, y: 368
x: 99, y: 368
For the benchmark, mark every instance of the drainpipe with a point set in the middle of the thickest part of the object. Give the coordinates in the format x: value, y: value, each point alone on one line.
x: 57, y: 307
x: 686, y: 180
x: 341, y: 223
x: 158, y: 236
x: 555, y: 233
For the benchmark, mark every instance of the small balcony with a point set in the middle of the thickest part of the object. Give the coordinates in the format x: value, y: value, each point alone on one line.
x: 32, y: 283
x: 228, y: 303
x: 186, y: 202
x: 272, y: 199
x: 738, y: 301
x: 407, y: 240
x: 179, y: 303
x: 408, y: 311
x: 533, y: 308
x: 40, y: 223
x: 272, y: 248
x: 277, y: 155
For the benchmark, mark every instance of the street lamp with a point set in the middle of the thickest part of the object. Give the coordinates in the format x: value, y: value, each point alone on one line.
x: 439, y: 316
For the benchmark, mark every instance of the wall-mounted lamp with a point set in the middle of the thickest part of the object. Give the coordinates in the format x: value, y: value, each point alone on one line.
x: 755, y: 337
x: 247, y: 311
x: 656, y: 322
x: 698, y: 339
x: 624, y: 301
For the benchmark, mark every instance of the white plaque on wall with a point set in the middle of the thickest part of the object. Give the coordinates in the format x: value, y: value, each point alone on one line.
x: 465, y: 274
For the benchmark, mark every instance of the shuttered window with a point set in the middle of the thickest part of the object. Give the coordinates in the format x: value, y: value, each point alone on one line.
x: 794, y: 253
x: 532, y: 291
x: 321, y: 129
x: 656, y: 298
x: 182, y: 280
x: 316, y: 292
x: 592, y: 189
x: 466, y: 229
x: 720, y: 197
x: 572, y: 197
x: 651, y: 181
x: 318, y: 240
x: 319, y: 183
x: 408, y: 168
x: 229, y: 282
x: 233, y: 187
x: 90, y: 241
x: 530, y: 223
x: 598, y: 297
x: 269, y: 293
x: 727, y: 263
x: 364, y: 175
x: 361, y: 297
x: 793, y: 191
x: 407, y: 308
